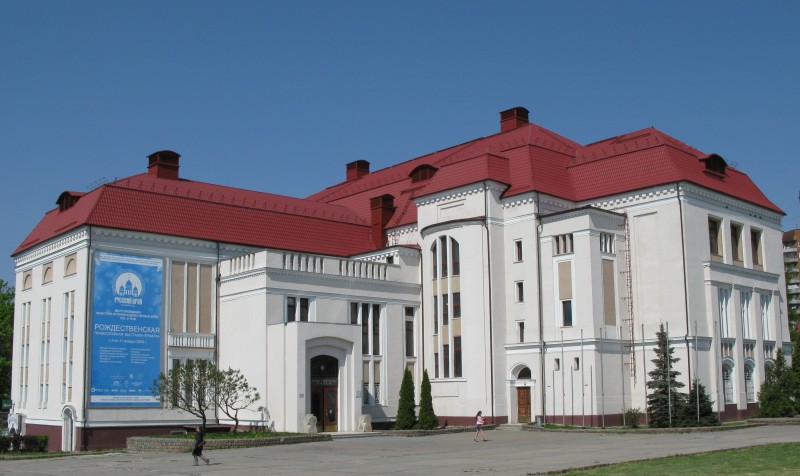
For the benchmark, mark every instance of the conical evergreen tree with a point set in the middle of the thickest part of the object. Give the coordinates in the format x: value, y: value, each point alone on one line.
x: 777, y: 396
x: 406, y: 418
x: 664, y: 401
x: 427, y: 418
x: 707, y: 416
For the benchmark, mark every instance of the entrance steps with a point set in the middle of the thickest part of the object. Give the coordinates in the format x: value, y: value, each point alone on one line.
x: 355, y: 434
x: 510, y: 427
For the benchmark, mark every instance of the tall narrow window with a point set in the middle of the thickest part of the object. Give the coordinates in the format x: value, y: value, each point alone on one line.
x: 44, y: 356
x: 443, y: 254
x: 446, y: 357
x: 520, y: 291
x: 457, y: 356
x: 291, y: 308
x: 736, y: 244
x: 715, y: 238
x: 749, y: 386
x: 766, y: 321
x: 25, y: 354
x: 565, y: 292
x: 747, y: 326
x: 410, y: 334
x: 445, y: 309
x: 353, y: 313
x: 518, y: 250
x: 562, y: 244
x: 67, y: 346
x: 435, y: 314
x: 609, y: 294
x: 376, y: 329
x: 456, y: 305
x: 434, y: 261
x: 557, y: 364
x: 521, y: 331
x: 755, y: 248
x: 723, y: 296
x: 455, y: 256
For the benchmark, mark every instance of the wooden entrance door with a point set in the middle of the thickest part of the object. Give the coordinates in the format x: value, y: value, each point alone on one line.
x: 324, y: 371
x: 523, y: 404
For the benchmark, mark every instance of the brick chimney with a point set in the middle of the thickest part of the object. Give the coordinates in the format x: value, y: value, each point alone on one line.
x: 382, y: 208
x: 164, y: 164
x: 513, y: 118
x: 357, y: 169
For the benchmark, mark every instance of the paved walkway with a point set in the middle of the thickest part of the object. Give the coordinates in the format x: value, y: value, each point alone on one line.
x: 507, y: 453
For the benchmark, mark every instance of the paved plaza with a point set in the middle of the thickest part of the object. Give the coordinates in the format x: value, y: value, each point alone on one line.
x: 506, y: 453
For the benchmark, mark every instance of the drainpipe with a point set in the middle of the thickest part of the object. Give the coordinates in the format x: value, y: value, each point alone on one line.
x: 685, y: 287
x: 218, y: 284
x: 489, y: 267
x: 542, y: 388
x: 86, y: 349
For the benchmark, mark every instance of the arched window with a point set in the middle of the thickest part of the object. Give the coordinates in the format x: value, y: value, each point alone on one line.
x: 524, y: 374
x: 727, y: 384
x: 749, y: 386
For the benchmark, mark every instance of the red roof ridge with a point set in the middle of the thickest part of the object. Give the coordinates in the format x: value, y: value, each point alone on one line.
x: 269, y: 201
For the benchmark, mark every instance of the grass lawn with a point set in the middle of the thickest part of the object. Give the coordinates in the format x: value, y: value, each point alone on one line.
x: 767, y: 459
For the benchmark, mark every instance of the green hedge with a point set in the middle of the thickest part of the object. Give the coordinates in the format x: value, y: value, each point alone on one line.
x: 23, y: 444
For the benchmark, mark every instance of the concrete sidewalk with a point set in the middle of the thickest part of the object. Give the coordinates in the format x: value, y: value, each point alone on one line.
x: 507, y: 453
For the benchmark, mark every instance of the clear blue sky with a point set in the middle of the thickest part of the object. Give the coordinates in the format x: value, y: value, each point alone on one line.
x: 279, y: 96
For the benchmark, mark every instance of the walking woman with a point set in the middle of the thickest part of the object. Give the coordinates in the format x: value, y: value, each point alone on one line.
x: 479, y: 421
x: 199, y: 441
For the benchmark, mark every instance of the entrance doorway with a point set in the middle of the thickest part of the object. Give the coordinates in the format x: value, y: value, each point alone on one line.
x: 325, y: 392
x: 523, y: 404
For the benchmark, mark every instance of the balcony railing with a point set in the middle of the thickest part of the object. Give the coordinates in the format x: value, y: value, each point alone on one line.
x: 201, y: 341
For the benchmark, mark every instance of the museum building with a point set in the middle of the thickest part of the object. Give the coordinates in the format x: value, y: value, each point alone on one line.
x: 527, y: 273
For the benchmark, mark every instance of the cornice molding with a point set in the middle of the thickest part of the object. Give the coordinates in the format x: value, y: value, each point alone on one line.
x: 730, y: 269
x: 52, y: 247
x: 463, y: 192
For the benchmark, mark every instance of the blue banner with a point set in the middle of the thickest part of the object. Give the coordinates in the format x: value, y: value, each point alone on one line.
x: 126, y: 330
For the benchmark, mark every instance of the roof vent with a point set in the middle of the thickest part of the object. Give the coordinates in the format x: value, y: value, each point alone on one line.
x: 715, y: 164
x: 357, y: 169
x: 513, y: 118
x: 164, y: 164
x: 68, y: 199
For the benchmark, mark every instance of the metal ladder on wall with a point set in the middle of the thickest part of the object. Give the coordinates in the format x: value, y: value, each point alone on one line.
x: 630, y: 365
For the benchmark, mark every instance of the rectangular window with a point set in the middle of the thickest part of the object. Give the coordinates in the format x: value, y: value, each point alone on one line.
x: 576, y: 364
x: 457, y: 356
x: 736, y: 244
x: 609, y: 294
x: 353, y: 313
x: 446, y: 363
x: 303, y: 310
x: 562, y: 244
x: 291, y: 308
x: 443, y: 254
x: 44, y: 356
x: 520, y: 291
x: 755, y: 248
x: 410, y: 338
x: 521, y: 331
x: 25, y: 352
x: 715, y: 238
x: 445, y: 309
x: 456, y: 305
x: 376, y: 329
x: 456, y: 257
x: 435, y: 365
x: 557, y: 364
x: 435, y: 314
x: 565, y: 292
x: 566, y: 313
x: 365, y: 329
x: 518, y: 250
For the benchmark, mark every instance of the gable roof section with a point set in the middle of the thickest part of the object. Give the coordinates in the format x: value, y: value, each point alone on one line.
x: 211, y: 212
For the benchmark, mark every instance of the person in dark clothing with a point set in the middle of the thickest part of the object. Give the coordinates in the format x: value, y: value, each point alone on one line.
x: 199, y: 441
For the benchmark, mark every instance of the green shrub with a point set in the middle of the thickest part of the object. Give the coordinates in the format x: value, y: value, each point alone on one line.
x: 406, y: 418
x: 632, y: 417
x: 427, y: 418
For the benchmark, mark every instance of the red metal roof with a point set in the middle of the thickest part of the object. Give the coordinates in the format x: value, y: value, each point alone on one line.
x: 335, y: 220
x: 211, y: 212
